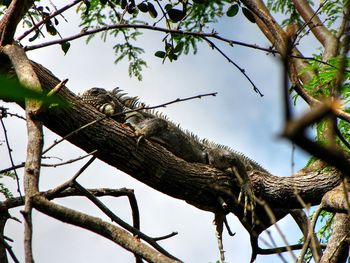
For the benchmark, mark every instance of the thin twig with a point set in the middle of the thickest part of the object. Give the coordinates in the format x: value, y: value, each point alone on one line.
x: 119, y: 221
x: 275, y: 245
x: 311, y: 234
x: 9, y: 150
x: 10, y: 251
x: 235, y: 64
x: 57, y: 12
x: 71, y: 160
x: 270, y: 251
x: 21, y: 165
x: 165, y: 237
x: 62, y: 187
x: 148, y: 27
x: 57, y: 88
x: 274, y: 222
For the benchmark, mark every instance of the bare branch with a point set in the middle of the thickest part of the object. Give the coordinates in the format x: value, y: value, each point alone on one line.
x: 28, y: 77
x: 120, y: 222
x: 152, y: 28
x: 11, y: 18
x: 338, y: 247
x: 273, y: 219
x: 335, y: 201
x: 325, y: 37
x: 64, y: 186
x: 303, y: 222
x: 9, y: 150
x: 235, y: 64
x: 100, y: 227
x: 311, y: 234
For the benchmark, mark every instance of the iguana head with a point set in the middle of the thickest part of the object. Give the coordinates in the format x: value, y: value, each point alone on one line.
x: 103, y: 100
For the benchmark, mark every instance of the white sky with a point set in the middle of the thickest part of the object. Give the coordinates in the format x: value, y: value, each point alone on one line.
x: 237, y: 117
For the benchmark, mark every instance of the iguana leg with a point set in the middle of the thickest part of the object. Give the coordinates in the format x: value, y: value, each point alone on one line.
x: 150, y: 128
x: 246, y: 192
x: 219, y: 225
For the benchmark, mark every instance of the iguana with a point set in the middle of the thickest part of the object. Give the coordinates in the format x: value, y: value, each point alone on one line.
x: 152, y: 125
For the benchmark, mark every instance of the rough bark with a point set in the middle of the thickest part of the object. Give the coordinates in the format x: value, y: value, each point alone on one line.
x: 338, y: 245
x: 197, y: 184
x: 9, y: 21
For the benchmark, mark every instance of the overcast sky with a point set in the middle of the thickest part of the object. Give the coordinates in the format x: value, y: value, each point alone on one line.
x: 236, y: 117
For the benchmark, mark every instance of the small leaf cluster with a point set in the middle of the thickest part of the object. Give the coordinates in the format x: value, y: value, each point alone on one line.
x: 323, y: 85
x: 333, y: 10
x: 323, y: 234
x: 3, y: 189
x: 126, y: 50
x: 39, y: 13
x: 171, y: 52
x: 99, y: 13
x: 287, y: 8
x: 233, y: 11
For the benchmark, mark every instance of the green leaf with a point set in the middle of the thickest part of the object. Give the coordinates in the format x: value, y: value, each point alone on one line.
x: 248, y: 14
x: 131, y: 8
x: 199, y: 1
x: 172, y: 56
x: 37, y: 33
x: 12, y: 91
x: 176, y: 15
x: 50, y: 28
x: 232, y: 10
x: 65, y: 47
x: 143, y: 7
x: 160, y: 54
x: 168, y: 7
x: 88, y: 4
x: 103, y: 2
x: 152, y: 11
x: 56, y: 21
x: 179, y: 47
x: 123, y: 4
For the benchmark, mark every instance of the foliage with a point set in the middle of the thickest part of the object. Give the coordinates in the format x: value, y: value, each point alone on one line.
x: 323, y: 85
x: 3, y: 189
x: 287, y: 8
x: 195, y: 16
x: 11, y: 90
x: 323, y: 234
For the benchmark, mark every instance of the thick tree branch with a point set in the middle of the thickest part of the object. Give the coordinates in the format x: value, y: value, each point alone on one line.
x: 27, y: 77
x: 334, y: 200
x: 276, y: 35
x: 198, y: 184
x: 338, y: 245
x: 326, y: 38
x: 98, y: 226
x: 8, y: 23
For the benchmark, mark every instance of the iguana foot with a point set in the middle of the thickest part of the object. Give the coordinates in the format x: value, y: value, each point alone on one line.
x: 149, y: 128
x: 249, y: 199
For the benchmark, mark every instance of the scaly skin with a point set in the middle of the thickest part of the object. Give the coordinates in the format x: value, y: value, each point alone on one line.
x: 152, y: 125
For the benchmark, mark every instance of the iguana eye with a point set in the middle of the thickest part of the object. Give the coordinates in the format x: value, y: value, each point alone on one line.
x: 96, y: 91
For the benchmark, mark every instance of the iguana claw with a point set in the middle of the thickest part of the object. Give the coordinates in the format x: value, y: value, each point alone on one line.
x: 249, y: 199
